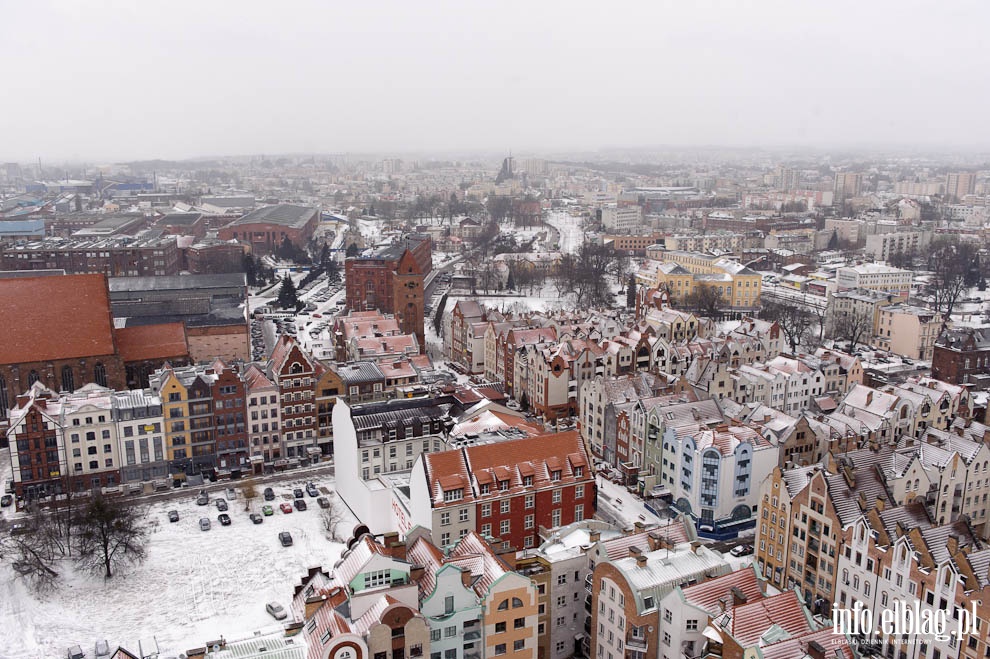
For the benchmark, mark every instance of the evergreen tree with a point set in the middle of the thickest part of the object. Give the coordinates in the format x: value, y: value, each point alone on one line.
x: 631, y: 292
x: 248, y: 265
x: 352, y: 250
x: 287, y: 298
x: 511, y: 282
x: 833, y: 242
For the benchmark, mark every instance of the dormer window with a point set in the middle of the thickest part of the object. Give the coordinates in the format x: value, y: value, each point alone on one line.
x: 503, y: 485
x: 555, y: 475
x: 527, y: 480
x: 485, y: 488
x: 578, y: 472
x: 453, y: 495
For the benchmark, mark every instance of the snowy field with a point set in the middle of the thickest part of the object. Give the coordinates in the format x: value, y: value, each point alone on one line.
x: 194, y: 586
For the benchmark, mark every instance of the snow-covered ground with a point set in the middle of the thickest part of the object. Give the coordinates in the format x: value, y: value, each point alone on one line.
x: 569, y: 227
x: 194, y: 586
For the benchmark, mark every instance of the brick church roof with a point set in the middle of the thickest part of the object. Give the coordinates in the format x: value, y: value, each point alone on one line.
x: 51, y: 318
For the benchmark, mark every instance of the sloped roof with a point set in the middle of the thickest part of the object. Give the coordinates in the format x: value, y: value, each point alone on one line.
x: 51, y: 318
x: 163, y: 341
x: 708, y: 595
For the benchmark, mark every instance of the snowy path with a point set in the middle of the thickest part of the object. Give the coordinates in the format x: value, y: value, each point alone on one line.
x: 569, y: 228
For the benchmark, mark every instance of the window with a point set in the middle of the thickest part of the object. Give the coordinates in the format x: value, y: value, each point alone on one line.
x: 499, y: 627
x: 503, y: 527
x: 444, y: 519
x: 453, y: 495
x: 691, y: 625
x: 462, y: 515
x: 486, y: 510
x: 503, y: 605
x: 519, y: 645
x: 504, y: 506
x: 579, y: 491
x: 516, y: 603
x: 530, y: 501
x: 556, y: 496
x: 528, y: 522
x: 377, y: 578
x: 100, y: 374
x: 500, y: 648
x: 68, y: 379
x: 448, y: 604
x: 450, y: 632
x: 435, y: 636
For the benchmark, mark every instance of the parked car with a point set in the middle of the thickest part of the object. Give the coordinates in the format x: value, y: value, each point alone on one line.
x: 311, y: 490
x: 75, y: 652
x: 204, y: 524
x: 102, y: 649
x: 300, y: 504
x: 267, y: 511
x: 269, y: 494
x: 173, y: 515
x: 285, y: 538
x: 742, y: 550
x: 285, y: 508
x: 276, y: 611
x: 323, y: 502
x: 298, y: 493
x: 202, y: 499
x: 6, y: 500
x: 224, y: 519
x: 222, y: 505
x: 256, y: 518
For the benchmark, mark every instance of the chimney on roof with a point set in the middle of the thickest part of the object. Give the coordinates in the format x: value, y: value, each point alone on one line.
x: 23, y: 400
x: 862, y: 501
x: 815, y: 650
x: 738, y: 596
x: 313, y: 605
x: 594, y: 536
x: 416, y: 572
x: 641, y: 560
x: 869, y: 397
x: 880, y: 504
x: 635, y: 551
x: 952, y: 544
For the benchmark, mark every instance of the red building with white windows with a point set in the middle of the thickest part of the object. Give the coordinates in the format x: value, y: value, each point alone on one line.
x: 505, y: 490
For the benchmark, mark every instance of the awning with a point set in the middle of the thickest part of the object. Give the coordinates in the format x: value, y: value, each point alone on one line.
x: 712, y: 634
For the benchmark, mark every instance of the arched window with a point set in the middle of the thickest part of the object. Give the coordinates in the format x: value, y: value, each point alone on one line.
x: 100, y: 374
x: 516, y: 602
x: 68, y: 379
x: 32, y: 377
x: 3, y: 397
x: 503, y: 605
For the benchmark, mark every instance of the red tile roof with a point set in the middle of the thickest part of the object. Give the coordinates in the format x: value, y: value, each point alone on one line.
x: 49, y: 318
x: 708, y: 594
x: 164, y: 341
x: 752, y: 620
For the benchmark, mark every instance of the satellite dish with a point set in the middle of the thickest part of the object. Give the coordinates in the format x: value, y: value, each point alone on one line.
x: 216, y: 647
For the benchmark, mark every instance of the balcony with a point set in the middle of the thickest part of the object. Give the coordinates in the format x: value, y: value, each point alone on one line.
x: 637, y: 643
x: 589, y: 583
x: 473, y: 635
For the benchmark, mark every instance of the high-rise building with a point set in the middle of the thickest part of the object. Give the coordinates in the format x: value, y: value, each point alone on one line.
x: 960, y: 184
x: 847, y: 185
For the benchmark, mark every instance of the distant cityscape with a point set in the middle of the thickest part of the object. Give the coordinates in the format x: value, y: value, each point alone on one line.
x: 616, y: 405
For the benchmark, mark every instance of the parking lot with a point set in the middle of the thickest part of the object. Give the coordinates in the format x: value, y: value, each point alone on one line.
x: 194, y: 586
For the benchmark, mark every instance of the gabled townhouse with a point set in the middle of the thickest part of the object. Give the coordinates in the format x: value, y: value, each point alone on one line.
x: 230, y: 418
x: 595, y: 395
x: 768, y: 333
x: 294, y: 373
x: 328, y: 388
x: 37, y: 445
x: 555, y: 374
x: 187, y: 404
x: 263, y: 412
x: 507, y: 491
x: 841, y: 370
x: 508, y: 347
x: 464, y: 350
x: 680, y: 414
x: 366, y: 608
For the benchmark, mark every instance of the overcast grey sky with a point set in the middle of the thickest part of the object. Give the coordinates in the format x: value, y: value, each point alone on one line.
x: 146, y: 79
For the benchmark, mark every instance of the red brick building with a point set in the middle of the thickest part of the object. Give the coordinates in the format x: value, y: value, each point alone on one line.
x: 294, y: 372
x: 230, y: 418
x: 391, y: 281
x: 962, y: 356
x: 265, y: 228
x: 38, y: 461
x: 507, y: 490
x: 60, y: 332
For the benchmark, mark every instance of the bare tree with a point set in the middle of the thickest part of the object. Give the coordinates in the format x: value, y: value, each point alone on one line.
x: 330, y: 518
x: 706, y: 300
x: 794, y: 321
x: 109, y: 534
x: 249, y: 490
x: 950, y: 262
x: 35, y: 550
x: 853, y: 326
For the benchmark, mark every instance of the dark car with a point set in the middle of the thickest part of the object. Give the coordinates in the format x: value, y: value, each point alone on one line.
x: 6, y: 500
x: 173, y: 515
x: 285, y: 538
x: 222, y: 505
x: 311, y: 490
x: 300, y: 504
x: 324, y: 502
x: 256, y: 518
x: 297, y: 493
x: 269, y: 494
x: 224, y: 519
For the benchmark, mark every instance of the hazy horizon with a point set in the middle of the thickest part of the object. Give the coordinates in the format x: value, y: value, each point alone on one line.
x: 141, y: 81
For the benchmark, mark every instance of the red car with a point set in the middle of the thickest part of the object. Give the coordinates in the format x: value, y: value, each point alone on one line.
x: 285, y: 508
